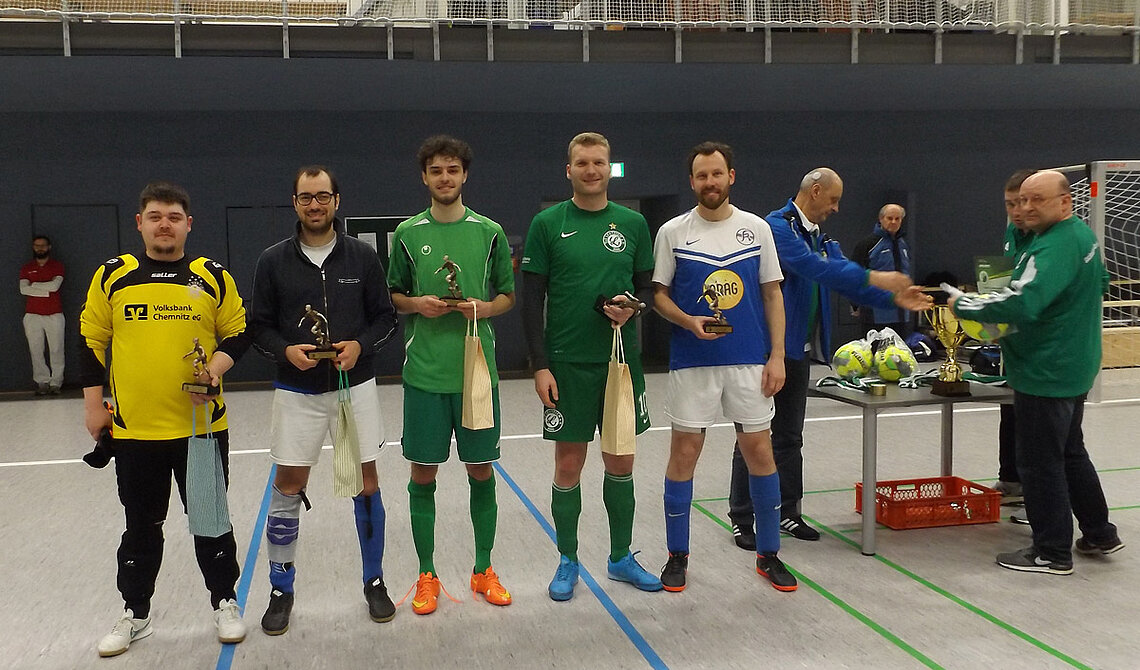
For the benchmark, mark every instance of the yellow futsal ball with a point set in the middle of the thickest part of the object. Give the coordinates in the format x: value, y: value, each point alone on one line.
x: 984, y: 332
x: 894, y: 362
x: 852, y: 359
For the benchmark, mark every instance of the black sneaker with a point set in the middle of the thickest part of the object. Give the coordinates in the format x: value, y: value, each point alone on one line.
x: 1028, y: 560
x: 380, y: 606
x: 1087, y: 546
x: 275, y: 621
x: 673, y: 576
x: 795, y: 526
x: 744, y: 536
x: 768, y: 565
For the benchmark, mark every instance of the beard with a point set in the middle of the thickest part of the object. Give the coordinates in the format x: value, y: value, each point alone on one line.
x: 447, y: 199
x: 713, y: 200
x: 40, y: 255
x: 317, y: 227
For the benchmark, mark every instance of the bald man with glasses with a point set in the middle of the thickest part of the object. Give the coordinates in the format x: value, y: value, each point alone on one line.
x: 1051, y: 360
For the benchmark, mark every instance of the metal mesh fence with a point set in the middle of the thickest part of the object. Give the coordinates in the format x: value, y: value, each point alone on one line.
x: 1031, y: 15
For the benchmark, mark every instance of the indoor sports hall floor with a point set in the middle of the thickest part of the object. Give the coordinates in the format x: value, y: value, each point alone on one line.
x: 930, y: 598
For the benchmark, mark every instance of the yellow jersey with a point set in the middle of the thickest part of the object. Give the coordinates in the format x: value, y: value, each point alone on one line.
x: 149, y: 312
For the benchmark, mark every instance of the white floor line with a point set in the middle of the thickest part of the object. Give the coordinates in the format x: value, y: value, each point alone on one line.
x: 533, y: 436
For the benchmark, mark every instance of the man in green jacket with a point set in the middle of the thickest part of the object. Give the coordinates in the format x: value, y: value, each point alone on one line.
x: 1054, y: 300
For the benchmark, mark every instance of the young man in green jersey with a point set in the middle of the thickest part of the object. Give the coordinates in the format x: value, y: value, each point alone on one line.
x: 1051, y: 362
x: 434, y: 343
x: 580, y: 253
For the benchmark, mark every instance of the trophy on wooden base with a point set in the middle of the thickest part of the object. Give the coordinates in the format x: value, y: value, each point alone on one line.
x: 198, y: 360
x: 721, y: 324
x: 320, y: 331
x: 949, y: 332
x: 454, y: 295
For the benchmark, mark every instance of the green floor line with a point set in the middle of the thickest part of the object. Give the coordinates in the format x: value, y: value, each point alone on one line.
x: 836, y: 600
x: 1056, y: 653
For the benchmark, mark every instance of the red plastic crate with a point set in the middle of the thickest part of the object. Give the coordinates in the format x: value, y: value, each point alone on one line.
x: 926, y: 503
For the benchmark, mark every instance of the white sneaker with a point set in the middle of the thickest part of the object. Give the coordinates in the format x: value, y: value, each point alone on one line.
x: 227, y: 618
x: 126, y: 630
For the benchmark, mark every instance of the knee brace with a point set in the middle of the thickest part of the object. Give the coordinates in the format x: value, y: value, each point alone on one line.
x: 283, y: 526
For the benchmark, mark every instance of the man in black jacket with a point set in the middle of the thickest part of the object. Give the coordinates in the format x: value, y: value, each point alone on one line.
x: 320, y: 276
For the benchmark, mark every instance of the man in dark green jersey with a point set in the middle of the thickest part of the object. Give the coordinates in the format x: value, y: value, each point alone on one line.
x: 434, y: 342
x: 578, y: 252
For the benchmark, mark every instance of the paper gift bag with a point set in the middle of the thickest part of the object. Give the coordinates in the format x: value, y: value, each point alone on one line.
x: 619, y: 426
x: 206, y: 504
x: 348, y: 480
x: 478, y: 410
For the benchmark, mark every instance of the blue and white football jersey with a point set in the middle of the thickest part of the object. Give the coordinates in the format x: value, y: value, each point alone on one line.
x: 733, y: 257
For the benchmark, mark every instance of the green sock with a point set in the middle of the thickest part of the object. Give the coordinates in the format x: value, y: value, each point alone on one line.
x: 484, y: 513
x: 566, y: 507
x: 617, y: 494
x: 421, y: 504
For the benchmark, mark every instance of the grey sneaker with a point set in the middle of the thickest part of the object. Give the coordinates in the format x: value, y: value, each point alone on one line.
x: 1011, y: 492
x: 1088, y: 547
x: 127, y: 629
x: 1028, y: 560
x: 227, y: 619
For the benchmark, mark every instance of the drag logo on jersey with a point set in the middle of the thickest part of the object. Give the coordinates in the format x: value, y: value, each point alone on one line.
x: 745, y: 236
x: 613, y: 239
x: 728, y: 285
x: 425, y: 249
x: 552, y: 420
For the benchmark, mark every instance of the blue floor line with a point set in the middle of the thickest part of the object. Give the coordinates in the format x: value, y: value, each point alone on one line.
x: 618, y: 616
x: 226, y: 656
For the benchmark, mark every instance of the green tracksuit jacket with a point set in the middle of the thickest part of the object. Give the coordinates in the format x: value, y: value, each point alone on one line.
x: 1054, y: 299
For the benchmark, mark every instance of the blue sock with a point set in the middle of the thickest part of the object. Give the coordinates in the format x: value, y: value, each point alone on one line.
x: 281, y: 576
x: 678, y: 503
x: 369, y: 512
x: 765, y: 490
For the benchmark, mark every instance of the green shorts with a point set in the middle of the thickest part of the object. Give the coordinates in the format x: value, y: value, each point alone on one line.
x: 581, y: 390
x: 431, y: 418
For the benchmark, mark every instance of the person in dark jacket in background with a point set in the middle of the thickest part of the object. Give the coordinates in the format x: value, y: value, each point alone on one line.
x: 885, y: 250
x: 320, y: 269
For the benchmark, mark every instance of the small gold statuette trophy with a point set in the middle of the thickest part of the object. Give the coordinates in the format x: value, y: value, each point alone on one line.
x: 721, y: 324
x: 320, y: 331
x: 949, y: 332
x: 454, y: 295
x: 198, y: 360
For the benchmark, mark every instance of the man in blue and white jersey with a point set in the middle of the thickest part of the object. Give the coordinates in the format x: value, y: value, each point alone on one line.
x: 717, y: 249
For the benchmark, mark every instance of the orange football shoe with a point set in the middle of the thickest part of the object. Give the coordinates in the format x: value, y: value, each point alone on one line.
x: 427, y: 594
x: 488, y: 584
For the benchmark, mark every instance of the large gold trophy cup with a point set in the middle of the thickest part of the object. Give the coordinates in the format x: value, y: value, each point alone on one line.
x: 949, y: 332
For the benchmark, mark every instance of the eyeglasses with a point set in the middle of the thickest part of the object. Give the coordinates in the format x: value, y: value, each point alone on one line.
x: 1038, y: 200
x: 323, y: 198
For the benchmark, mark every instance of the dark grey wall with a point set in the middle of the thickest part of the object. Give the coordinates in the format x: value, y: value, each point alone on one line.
x: 131, y: 120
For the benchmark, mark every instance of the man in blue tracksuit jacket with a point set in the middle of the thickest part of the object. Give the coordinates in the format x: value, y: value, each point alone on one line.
x: 812, y: 264
x: 885, y: 249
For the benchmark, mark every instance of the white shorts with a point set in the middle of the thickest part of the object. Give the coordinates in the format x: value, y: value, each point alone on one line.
x: 697, y: 396
x: 303, y: 423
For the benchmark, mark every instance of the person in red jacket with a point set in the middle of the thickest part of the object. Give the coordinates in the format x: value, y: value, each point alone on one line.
x: 40, y: 279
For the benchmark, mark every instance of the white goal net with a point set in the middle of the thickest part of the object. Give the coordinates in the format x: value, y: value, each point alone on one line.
x: 1106, y: 194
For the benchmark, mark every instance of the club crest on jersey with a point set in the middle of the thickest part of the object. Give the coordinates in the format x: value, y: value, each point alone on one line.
x: 613, y: 239
x: 195, y: 284
x: 425, y: 249
x: 728, y: 285
x: 552, y: 420
x: 745, y: 236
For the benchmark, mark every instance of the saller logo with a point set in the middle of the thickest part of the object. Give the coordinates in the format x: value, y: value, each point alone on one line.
x: 137, y: 312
